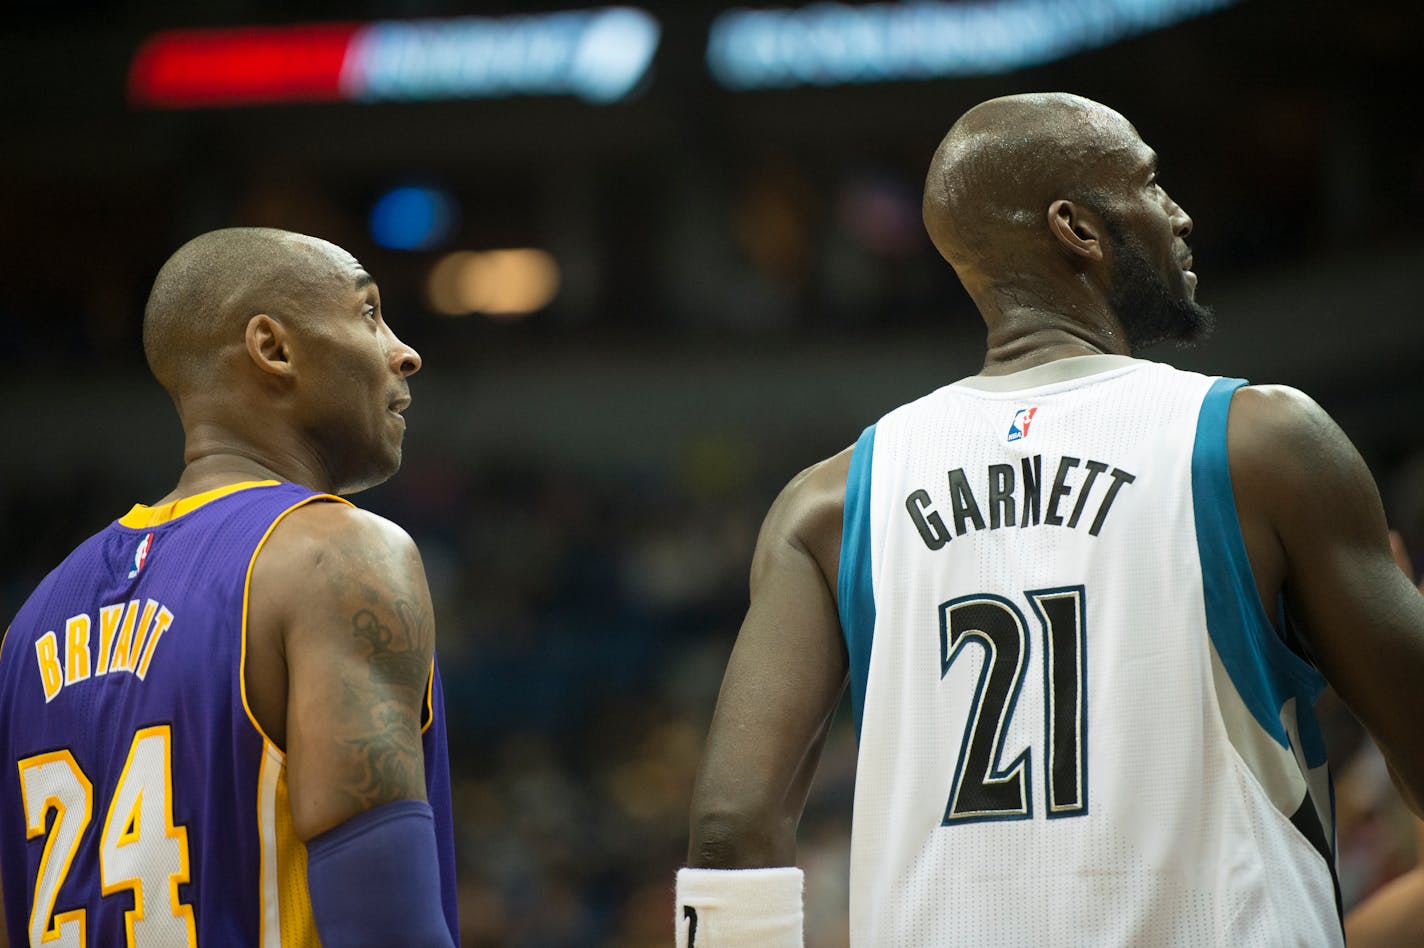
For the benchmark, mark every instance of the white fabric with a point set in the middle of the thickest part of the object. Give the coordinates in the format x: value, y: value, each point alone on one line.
x: 1174, y: 842
x: 739, y: 908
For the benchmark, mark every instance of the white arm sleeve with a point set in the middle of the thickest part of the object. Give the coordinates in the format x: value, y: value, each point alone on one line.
x: 739, y: 908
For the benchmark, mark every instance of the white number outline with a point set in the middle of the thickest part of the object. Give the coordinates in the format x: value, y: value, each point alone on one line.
x: 69, y: 826
x: 45, y: 927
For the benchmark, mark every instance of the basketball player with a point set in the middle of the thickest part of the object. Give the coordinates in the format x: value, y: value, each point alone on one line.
x: 1084, y: 603
x: 220, y: 720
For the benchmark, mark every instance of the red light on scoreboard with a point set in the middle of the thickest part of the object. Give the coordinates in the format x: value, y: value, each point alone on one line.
x: 185, y: 68
x: 600, y: 55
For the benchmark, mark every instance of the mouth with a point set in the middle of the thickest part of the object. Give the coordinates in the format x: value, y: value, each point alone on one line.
x: 396, y: 407
x: 1191, y: 277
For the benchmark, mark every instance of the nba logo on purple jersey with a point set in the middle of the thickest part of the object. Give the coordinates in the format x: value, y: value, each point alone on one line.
x: 1018, y: 428
x: 141, y: 555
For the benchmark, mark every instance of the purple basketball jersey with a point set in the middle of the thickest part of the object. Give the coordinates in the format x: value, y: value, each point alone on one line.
x: 140, y: 803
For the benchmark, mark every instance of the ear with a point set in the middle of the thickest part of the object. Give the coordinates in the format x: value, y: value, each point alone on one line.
x: 268, y: 345
x: 1077, y: 230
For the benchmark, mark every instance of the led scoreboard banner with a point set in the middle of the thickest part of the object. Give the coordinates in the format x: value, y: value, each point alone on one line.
x: 603, y: 55
x: 598, y: 55
x: 826, y: 44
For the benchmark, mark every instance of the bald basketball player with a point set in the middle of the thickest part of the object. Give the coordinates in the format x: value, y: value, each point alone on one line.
x: 1084, y: 603
x: 220, y: 717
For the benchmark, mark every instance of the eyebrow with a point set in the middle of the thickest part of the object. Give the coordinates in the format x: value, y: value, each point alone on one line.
x: 363, y: 280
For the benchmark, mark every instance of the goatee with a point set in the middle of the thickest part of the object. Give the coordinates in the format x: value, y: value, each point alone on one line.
x: 1148, y: 309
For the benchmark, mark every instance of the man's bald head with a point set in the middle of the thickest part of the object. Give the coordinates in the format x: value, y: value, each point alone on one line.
x: 1006, y: 160
x: 205, y: 294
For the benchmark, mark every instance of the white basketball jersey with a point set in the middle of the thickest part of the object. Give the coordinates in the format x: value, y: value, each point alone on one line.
x: 1078, y: 727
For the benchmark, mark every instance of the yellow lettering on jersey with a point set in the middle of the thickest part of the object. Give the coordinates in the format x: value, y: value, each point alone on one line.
x: 108, y: 626
x: 128, y: 637
x: 136, y: 649
x: 165, y: 619
x: 51, y: 675
x: 76, y: 649
x: 124, y: 641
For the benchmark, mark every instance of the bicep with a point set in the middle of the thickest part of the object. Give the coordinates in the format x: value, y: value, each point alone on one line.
x: 359, y: 652
x: 1361, y: 617
x: 783, y: 683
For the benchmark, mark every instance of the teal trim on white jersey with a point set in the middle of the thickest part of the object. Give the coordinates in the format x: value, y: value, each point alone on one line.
x: 1263, y: 668
x: 854, y: 589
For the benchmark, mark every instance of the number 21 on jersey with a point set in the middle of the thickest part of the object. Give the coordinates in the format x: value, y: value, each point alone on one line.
x: 982, y: 789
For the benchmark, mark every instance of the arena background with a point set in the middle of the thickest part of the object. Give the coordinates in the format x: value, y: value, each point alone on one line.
x: 743, y: 284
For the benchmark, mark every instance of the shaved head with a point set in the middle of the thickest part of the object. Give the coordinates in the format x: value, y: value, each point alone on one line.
x: 1048, y: 207
x: 277, y: 354
x: 1007, y: 159
x: 208, y: 290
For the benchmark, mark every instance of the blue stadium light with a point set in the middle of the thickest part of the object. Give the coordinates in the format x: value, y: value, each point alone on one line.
x: 599, y: 55
x: 833, y: 43
x: 413, y: 218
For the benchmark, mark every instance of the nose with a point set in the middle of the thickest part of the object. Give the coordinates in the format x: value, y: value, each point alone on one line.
x: 1181, y: 220
x: 404, y: 359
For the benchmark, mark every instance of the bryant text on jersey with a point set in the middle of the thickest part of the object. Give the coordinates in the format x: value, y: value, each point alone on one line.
x: 128, y: 634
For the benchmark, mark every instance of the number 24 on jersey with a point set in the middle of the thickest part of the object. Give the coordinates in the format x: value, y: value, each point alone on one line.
x: 140, y: 850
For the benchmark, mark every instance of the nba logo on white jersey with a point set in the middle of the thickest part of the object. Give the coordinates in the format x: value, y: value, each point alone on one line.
x: 1018, y: 428
x: 141, y: 555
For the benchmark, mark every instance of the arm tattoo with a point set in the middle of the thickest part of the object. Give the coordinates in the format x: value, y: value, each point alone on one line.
x: 387, y: 758
x: 396, y: 658
x: 386, y: 767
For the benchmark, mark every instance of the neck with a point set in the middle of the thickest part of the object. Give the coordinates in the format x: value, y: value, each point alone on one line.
x: 214, y: 457
x: 1025, y: 332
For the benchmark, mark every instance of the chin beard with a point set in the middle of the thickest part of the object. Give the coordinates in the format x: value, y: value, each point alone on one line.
x: 1148, y: 309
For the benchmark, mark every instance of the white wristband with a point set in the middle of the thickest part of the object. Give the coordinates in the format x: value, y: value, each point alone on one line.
x: 739, y: 908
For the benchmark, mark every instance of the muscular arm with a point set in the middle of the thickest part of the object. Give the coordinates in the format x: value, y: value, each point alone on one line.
x: 343, y: 597
x: 1315, y: 529
x: 783, y: 682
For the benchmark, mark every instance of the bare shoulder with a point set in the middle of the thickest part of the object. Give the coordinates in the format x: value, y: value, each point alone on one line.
x: 1277, y: 416
x: 324, y: 552
x: 807, y: 515
x: 1280, y: 439
x: 331, y: 539
x: 333, y: 570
